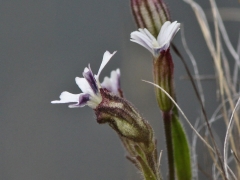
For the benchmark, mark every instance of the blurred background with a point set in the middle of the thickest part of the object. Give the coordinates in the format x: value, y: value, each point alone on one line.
x: 44, y: 45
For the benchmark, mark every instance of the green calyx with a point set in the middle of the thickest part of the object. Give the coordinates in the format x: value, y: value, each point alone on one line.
x: 163, y: 76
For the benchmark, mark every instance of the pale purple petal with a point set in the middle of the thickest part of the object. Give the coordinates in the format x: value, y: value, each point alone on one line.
x: 112, y: 84
x: 175, y: 29
x: 82, y: 101
x: 88, y: 75
x: 67, y: 97
x: 116, y: 77
x: 83, y: 85
x: 149, y: 34
x: 163, y: 30
x: 107, y: 84
x: 142, y: 43
x: 167, y: 33
x: 155, y: 46
x: 141, y: 38
x: 170, y: 32
x: 106, y: 57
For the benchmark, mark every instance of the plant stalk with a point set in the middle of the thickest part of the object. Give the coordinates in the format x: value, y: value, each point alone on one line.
x: 168, y: 134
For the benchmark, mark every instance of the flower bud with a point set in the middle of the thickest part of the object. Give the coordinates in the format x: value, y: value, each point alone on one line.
x: 150, y: 14
x: 163, y: 76
x: 123, y: 118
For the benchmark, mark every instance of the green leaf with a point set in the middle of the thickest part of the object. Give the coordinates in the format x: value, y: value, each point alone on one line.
x: 181, y: 150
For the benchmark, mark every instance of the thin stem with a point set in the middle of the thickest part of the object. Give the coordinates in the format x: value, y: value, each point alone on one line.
x: 168, y: 134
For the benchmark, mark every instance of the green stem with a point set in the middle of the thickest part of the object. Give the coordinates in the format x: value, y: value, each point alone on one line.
x: 168, y: 133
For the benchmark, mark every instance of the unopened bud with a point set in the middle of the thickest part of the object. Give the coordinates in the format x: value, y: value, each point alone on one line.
x: 150, y: 14
x: 123, y: 118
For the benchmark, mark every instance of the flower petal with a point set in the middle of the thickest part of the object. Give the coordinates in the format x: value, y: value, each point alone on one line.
x: 175, y: 28
x: 88, y: 75
x: 83, y: 85
x: 167, y: 33
x: 140, y: 37
x: 67, y: 97
x: 106, y: 57
x: 149, y: 34
x: 155, y: 46
x: 83, y: 99
x: 107, y: 83
x: 163, y: 30
x: 112, y: 84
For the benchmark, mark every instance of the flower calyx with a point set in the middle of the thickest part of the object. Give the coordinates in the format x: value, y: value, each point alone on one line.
x: 123, y: 118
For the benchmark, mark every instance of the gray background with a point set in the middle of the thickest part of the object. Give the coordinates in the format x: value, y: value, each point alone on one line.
x: 44, y: 45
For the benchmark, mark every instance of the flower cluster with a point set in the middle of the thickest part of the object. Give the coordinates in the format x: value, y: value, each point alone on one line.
x: 110, y: 107
x: 91, y: 86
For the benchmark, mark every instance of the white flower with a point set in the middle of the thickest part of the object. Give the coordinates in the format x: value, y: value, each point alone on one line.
x: 162, y: 43
x: 90, y: 86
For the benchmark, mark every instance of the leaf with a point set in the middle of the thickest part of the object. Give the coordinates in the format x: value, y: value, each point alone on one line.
x: 181, y: 150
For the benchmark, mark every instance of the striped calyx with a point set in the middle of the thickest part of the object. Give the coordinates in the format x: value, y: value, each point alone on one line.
x: 123, y: 118
x: 163, y: 76
x: 150, y: 14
